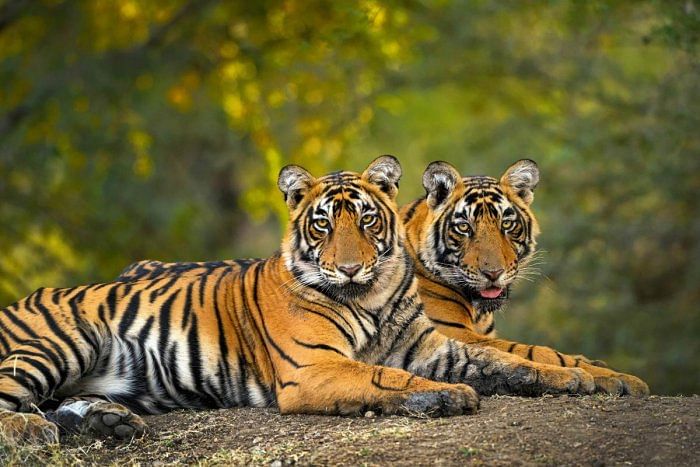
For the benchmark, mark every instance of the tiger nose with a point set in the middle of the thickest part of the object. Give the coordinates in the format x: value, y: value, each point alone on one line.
x: 350, y: 269
x: 492, y: 274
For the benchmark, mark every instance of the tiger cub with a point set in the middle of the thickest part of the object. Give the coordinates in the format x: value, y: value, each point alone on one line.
x: 332, y: 324
x: 469, y: 238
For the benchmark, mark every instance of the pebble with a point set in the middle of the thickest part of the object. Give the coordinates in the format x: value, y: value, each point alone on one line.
x: 370, y: 414
x: 277, y: 463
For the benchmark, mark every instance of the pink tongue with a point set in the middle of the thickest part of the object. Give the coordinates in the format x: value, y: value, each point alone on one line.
x: 491, y: 292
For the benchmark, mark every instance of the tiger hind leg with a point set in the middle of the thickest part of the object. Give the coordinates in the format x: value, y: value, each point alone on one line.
x: 18, y: 428
x: 97, y: 416
x: 30, y: 373
x: 24, y: 380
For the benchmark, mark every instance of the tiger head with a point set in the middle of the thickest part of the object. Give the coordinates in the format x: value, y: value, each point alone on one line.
x: 476, y: 231
x: 343, y: 231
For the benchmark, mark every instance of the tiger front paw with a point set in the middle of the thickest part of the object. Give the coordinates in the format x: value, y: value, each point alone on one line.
x: 559, y: 380
x: 113, y: 420
x: 619, y: 384
x: 633, y: 386
x: 30, y: 428
x: 454, y: 399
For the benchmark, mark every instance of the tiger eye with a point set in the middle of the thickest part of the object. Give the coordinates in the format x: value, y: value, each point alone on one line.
x: 321, y: 223
x: 506, y: 224
x: 368, y: 219
x: 463, y: 229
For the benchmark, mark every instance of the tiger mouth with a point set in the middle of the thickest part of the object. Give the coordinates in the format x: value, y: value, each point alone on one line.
x: 489, y: 299
x: 492, y: 293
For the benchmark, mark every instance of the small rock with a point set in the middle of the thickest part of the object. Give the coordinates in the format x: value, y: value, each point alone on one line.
x: 257, y: 440
x: 277, y: 463
x: 370, y: 414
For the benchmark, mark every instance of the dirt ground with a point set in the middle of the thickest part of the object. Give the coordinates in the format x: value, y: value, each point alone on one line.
x: 595, y: 430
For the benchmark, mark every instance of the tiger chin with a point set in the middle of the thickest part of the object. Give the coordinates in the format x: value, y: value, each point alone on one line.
x: 470, y: 237
x: 332, y: 324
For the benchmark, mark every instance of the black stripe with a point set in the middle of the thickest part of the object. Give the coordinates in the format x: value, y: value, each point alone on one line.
x: 163, y: 289
x: 38, y: 366
x: 450, y: 358
x: 25, y: 378
x: 89, y: 338
x: 146, y: 330
x: 450, y: 324
x: 465, y: 368
x: 187, y: 310
x: 399, y: 335
x: 129, y: 314
x: 274, y: 344
x: 5, y: 345
x: 56, y: 329
x: 11, y: 399
x: 433, y: 370
x: 412, y: 210
x: 340, y: 328
x: 284, y: 384
x: 202, y: 288
x: 377, y: 381
x: 529, y: 352
x: 318, y: 346
x: 57, y: 356
x: 224, y: 368
x: 112, y: 302
x: 410, y: 353
x: 164, y: 321
x: 439, y: 296
x: 20, y: 324
x: 243, y: 393
x: 561, y: 359
x: 196, y: 362
x: 511, y: 347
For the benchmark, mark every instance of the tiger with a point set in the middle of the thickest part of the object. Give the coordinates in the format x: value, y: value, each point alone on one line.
x: 332, y: 323
x: 469, y: 238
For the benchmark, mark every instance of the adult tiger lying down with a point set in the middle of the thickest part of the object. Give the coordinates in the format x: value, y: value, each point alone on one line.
x: 331, y: 325
x: 470, y: 238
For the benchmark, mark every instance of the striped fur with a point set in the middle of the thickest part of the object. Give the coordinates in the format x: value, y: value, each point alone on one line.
x: 332, y: 324
x: 476, y: 233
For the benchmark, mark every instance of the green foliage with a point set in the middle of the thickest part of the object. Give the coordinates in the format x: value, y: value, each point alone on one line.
x: 133, y: 130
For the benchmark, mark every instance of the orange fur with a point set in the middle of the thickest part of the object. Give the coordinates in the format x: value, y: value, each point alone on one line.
x: 453, y: 302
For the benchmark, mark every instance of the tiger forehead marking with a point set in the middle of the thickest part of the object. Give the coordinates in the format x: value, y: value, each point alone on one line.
x: 343, y: 191
x: 482, y: 197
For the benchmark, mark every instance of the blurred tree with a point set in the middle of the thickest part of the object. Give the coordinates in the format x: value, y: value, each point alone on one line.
x: 156, y: 129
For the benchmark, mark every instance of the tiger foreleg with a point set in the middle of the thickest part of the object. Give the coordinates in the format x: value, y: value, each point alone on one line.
x: 606, y: 380
x: 347, y: 387
x: 488, y: 370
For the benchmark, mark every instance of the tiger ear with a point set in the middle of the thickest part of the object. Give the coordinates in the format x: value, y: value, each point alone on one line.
x: 439, y: 180
x: 522, y: 178
x: 385, y: 172
x: 294, y: 182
